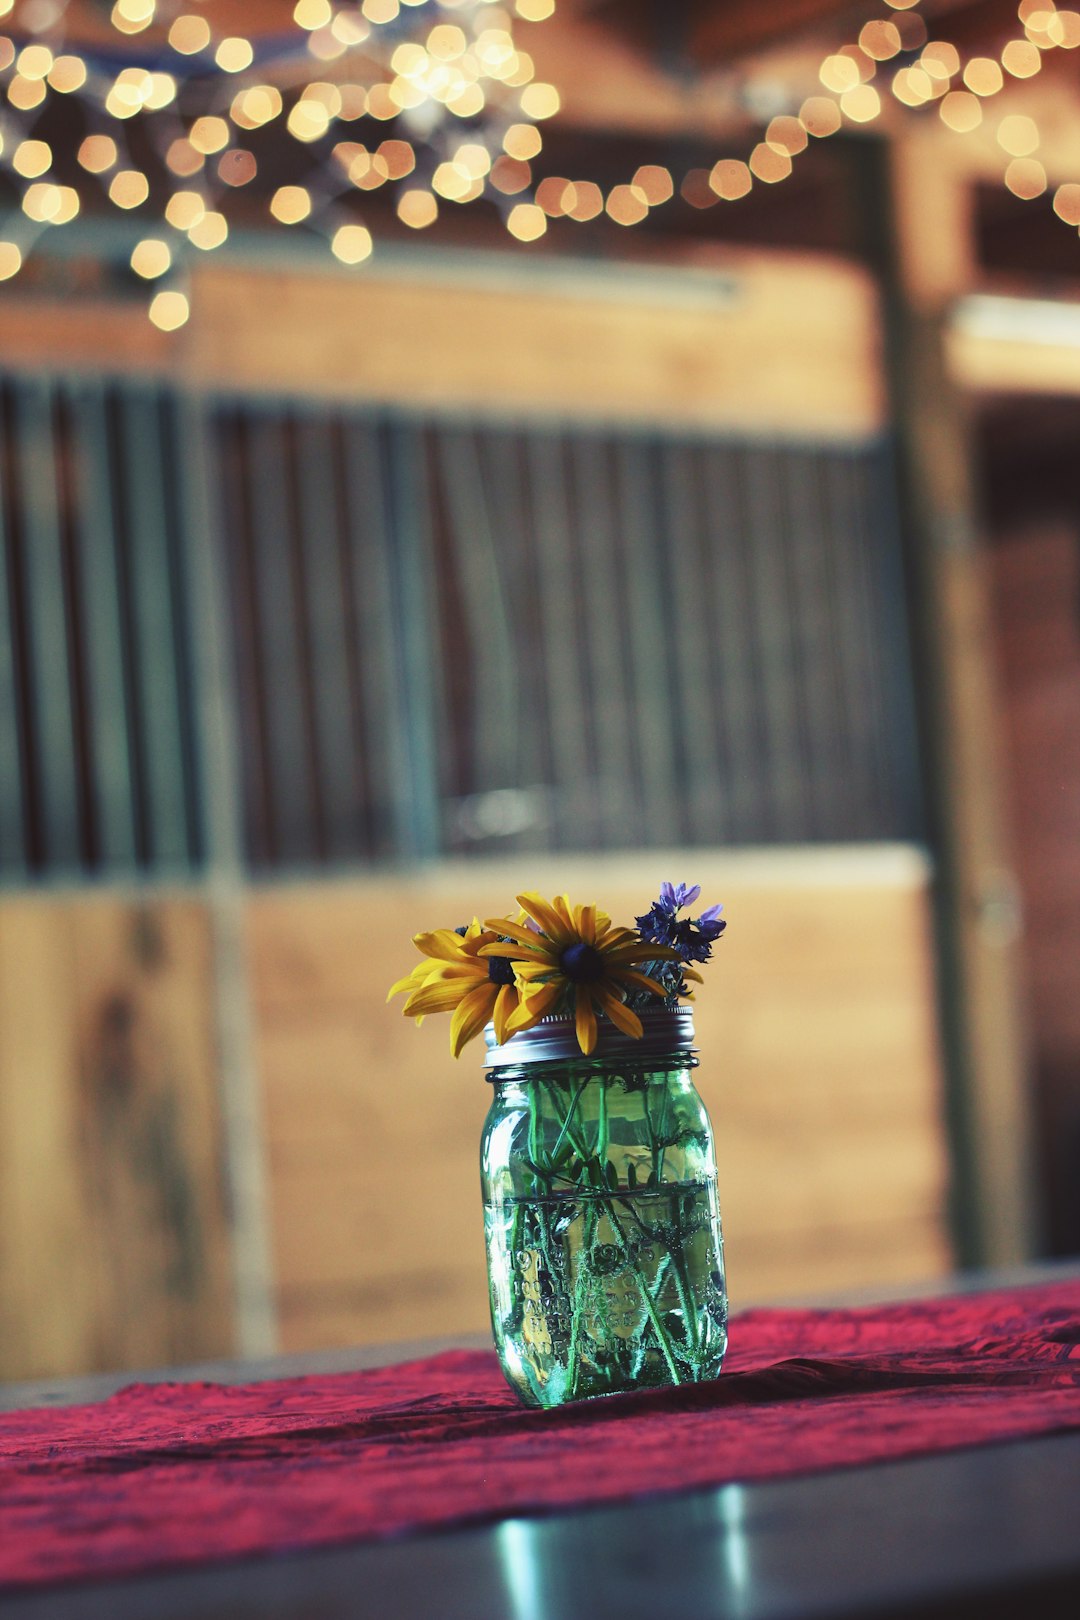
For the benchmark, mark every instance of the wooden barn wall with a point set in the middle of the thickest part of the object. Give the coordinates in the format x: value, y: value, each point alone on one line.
x: 818, y: 1066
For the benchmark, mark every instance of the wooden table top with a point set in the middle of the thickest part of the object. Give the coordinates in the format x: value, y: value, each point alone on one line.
x: 988, y: 1532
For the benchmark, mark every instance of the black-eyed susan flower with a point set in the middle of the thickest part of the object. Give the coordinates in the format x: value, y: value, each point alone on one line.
x: 455, y: 978
x: 574, y: 958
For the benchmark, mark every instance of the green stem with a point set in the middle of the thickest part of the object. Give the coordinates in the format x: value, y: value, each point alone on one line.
x: 571, y: 1111
x: 607, y: 1204
x: 650, y: 1304
x: 658, y: 1156
x: 581, y: 1285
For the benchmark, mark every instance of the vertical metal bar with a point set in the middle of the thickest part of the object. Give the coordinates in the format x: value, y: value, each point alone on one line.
x: 773, y: 624
x: 574, y: 781
x: 816, y: 715
x: 215, y: 701
x: 229, y: 471
x: 324, y: 586
x: 477, y: 554
x: 694, y: 644
x: 607, y: 646
x: 382, y: 714
x: 46, y: 626
x: 417, y: 623
x: 288, y: 743
x: 109, y: 718
x: 857, y: 672
x: 905, y: 797
x: 874, y: 544
x: 12, y: 845
x: 154, y: 630
x: 505, y: 478
x: 648, y: 628
x: 729, y: 544
x: 821, y: 635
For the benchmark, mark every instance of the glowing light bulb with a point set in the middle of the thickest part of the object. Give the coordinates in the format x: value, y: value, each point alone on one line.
x: 129, y: 188
x: 150, y: 258
x: 290, y: 204
x: 526, y: 222
x: 169, y: 310
x: 417, y: 209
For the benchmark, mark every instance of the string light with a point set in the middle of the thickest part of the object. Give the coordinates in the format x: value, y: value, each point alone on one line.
x: 464, y: 65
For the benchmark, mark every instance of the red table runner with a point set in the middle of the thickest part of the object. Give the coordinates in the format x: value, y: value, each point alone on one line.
x: 166, y: 1475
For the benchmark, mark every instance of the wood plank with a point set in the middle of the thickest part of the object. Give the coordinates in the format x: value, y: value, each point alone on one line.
x: 114, y: 1243
x: 75, y: 334
x: 819, y: 1067
x: 684, y: 354
x: 151, y: 1130
x: 47, y: 1304
x: 987, y: 362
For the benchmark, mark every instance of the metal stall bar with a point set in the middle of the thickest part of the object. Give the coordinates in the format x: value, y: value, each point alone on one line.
x: 277, y: 597
x: 620, y: 811
x: 479, y: 561
x: 647, y: 627
x: 383, y: 745
x: 12, y: 826
x: 324, y: 577
x: 52, y: 754
x: 572, y: 774
x: 158, y: 698
x: 694, y: 639
x: 417, y: 621
x: 108, y: 709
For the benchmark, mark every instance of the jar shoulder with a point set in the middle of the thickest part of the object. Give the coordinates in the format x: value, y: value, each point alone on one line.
x: 548, y: 1137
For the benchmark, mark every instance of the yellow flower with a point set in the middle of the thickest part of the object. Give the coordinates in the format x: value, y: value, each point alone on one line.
x: 456, y: 978
x: 580, y: 955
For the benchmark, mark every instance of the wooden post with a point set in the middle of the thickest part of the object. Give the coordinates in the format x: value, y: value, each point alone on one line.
x: 923, y: 247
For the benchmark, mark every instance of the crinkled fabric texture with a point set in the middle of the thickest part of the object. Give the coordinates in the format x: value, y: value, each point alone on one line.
x: 165, y: 1475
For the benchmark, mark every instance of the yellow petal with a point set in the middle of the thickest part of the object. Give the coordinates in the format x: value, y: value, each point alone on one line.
x: 561, y: 904
x: 524, y: 936
x: 442, y: 943
x: 411, y: 981
x: 437, y: 997
x: 546, y: 916
x: 586, y: 922
x: 506, y: 1002
x: 585, y: 1020
x: 532, y: 1008
x: 530, y: 971
x: 621, y: 1016
x: 471, y: 1016
x: 515, y: 953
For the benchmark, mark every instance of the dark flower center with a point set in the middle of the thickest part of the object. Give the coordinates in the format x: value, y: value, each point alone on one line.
x: 500, y: 969
x: 582, y: 963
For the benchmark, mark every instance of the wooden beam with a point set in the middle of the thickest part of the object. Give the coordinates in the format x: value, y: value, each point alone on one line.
x: 734, y: 348
x: 924, y: 252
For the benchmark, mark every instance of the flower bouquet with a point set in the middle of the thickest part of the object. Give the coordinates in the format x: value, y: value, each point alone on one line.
x: 605, y: 1256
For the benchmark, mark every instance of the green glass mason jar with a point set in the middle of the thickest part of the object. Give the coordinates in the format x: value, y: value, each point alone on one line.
x: 605, y: 1257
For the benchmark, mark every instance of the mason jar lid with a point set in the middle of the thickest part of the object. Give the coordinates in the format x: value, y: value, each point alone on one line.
x: 667, y: 1030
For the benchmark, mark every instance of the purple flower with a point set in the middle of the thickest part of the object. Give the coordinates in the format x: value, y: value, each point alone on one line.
x: 674, y: 896
x: 693, y: 938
